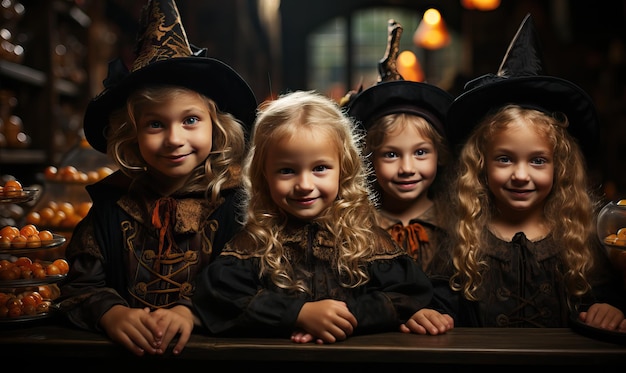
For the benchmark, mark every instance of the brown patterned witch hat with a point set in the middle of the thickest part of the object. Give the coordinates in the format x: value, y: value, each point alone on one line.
x: 165, y: 57
x: 520, y: 80
x: 392, y: 94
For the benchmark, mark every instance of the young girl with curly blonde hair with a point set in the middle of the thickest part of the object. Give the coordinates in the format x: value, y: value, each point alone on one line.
x: 175, y: 126
x: 524, y: 252
x: 311, y: 262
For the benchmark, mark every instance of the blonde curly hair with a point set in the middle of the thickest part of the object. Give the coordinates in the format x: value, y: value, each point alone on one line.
x: 349, y: 219
x: 569, y: 208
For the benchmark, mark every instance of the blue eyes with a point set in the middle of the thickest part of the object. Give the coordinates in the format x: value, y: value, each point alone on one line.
x: 418, y: 153
x: 188, y: 122
x: 286, y: 171
x: 536, y: 161
x: 192, y: 120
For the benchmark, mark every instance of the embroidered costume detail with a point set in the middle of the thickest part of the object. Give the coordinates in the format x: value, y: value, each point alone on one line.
x: 165, y: 207
x: 165, y: 264
x: 411, y: 236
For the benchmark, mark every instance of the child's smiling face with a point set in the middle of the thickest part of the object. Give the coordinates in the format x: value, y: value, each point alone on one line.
x: 303, y: 173
x: 405, y: 166
x: 520, y: 168
x: 175, y: 136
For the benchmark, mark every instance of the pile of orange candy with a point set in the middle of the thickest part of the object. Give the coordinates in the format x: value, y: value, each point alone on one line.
x: 12, y: 188
x: 25, y: 268
x: 72, y: 174
x: 29, y: 302
x: 29, y: 236
x: 54, y: 214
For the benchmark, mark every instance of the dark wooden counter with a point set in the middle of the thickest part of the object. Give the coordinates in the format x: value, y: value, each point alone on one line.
x: 487, y: 348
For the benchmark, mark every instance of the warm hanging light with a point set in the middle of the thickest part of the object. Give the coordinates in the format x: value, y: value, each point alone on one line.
x: 409, y: 67
x: 484, y: 5
x: 432, y: 32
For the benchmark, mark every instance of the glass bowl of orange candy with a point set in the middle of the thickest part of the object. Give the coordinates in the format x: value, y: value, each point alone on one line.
x: 611, y: 228
x: 611, y: 224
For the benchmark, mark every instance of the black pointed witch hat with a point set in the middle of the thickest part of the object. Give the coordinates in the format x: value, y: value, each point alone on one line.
x: 520, y: 80
x: 165, y: 57
x: 392, y: 94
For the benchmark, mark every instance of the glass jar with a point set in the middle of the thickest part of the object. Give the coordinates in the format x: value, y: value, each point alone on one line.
x: 611, y: 224
x: 611, y: 228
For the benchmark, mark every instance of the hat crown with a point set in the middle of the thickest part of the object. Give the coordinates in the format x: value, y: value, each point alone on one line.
x: 388, y: 65
x: 524, y: 56
x: 161, y: 35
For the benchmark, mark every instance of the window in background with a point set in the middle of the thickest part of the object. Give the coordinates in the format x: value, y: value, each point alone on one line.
x: 364, y: 32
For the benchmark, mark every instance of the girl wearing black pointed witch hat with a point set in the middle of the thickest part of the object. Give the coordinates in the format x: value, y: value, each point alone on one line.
x: 407, y: 148
x: 175, y: 126
x: 523, y: 251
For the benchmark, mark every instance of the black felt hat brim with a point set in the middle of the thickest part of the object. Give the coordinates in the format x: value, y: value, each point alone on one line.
x: 208, y: 76
x: 401, y: 96
x: 546, y: 93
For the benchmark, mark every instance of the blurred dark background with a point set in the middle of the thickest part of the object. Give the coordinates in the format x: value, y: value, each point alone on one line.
x: 283, y: 45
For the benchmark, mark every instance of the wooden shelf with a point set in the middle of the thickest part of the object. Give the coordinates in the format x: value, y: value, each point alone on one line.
x: 22, y: 73
x: 36, y: 78
x: 22, y: 156
x: 48, y: 99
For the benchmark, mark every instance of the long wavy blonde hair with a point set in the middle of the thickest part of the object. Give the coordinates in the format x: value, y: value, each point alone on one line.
x: 349, y: 219
x: 222, y: 166
x: 569, y: 208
